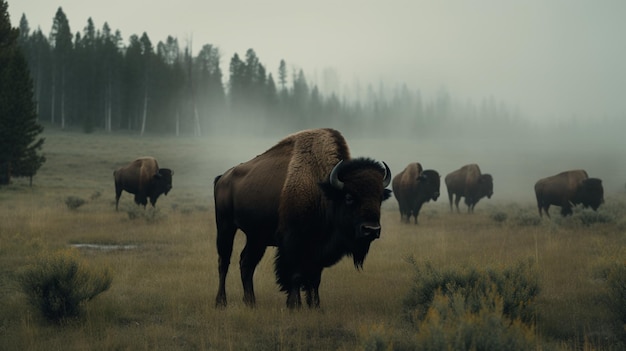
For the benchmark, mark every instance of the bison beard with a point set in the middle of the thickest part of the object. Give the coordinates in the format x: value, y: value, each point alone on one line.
x: 303, y: 254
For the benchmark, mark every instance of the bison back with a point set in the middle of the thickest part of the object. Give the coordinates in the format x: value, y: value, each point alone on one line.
x: 560, y: 187
x: 464, y: 178
x: 405, y: 182
x: 136, y: 176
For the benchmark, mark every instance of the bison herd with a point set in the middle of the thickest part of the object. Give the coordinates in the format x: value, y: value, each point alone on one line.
x: 308, y: 198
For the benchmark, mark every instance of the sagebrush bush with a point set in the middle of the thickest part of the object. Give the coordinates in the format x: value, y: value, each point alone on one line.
x: 451, y: 324
x: 376, y: 337
x: 150, y: 214
x: 616, y: 281
x: 58, y: 284
x: 499, y: 216
x: 527, y: 219
x: 73, y: 202
x: 472, y: 309
x: 517, y: 286
x: 589, y: 217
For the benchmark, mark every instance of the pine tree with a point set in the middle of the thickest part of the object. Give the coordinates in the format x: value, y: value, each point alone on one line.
x: 61, y: 40
x: 19, y: 129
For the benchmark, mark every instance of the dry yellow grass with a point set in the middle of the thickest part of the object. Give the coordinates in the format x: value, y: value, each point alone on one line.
x: 163, y: 289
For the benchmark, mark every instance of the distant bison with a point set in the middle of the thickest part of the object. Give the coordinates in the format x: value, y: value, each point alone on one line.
x: 470, y: 183
x: 568, y: 189
x: 144, y: 178
x: 306, y: 196
x: 413, y: 187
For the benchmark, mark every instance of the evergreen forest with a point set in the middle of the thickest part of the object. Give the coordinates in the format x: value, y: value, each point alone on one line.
x: 93, y: 79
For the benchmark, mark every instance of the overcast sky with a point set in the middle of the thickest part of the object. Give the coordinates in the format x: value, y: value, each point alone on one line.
x: 552, y: 58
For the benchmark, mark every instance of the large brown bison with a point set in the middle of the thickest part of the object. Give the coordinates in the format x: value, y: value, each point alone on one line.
x: 144, y: 178
x: 413, y: 187
x: 568, y: 189
x: 470, y: 183
x: 306, y: 196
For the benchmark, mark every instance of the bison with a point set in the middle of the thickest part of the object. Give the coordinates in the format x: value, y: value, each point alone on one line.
x: 413, y: 187
x: 568, y: 189
x: 470, y: 183
x: 307, y: 197
x: 145, y: 179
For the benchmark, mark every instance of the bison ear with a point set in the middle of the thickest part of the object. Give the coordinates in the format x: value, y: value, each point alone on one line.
x: 386, y: 194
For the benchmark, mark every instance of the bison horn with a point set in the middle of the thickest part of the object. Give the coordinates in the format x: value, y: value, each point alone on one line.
x: 387, y: 178
x: 334, y: 176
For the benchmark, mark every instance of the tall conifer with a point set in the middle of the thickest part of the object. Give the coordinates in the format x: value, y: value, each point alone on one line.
x: 19, y: 129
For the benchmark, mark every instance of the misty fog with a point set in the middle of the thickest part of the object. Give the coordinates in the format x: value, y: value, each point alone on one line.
x: 516, y: 158
x: 557, y: 67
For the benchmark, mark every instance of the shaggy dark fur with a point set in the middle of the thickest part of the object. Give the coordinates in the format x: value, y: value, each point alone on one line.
x: 413, y: 187
x: 284, y: 198
x: 568, y: 189
x: 470, y: 183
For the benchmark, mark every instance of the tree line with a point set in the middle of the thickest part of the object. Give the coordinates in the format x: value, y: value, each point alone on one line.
x: 92, y: 79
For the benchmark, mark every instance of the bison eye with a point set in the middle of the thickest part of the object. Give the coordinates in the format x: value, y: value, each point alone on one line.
x: 349, y: 199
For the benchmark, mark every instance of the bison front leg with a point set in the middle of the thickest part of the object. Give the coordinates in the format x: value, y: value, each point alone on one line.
x: 457, y: 199
x: 312, y: 290
x: 566, y: 210
x: 288, y: 272
x: 294, y: 300
x: 141, y: 200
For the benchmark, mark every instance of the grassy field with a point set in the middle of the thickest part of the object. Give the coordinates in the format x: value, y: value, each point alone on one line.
x: 165, y: 268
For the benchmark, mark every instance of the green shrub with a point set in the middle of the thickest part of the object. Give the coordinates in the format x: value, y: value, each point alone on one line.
x: 452, y: 324
x: 518, y: 286
x: 589, y: 217
x: 616, y: 281
x: 499, y: 216
x: 58, y: 284
x: 375, y: 337
x: 471, y: 309
x: 527, y: 219
x: 73, y: 202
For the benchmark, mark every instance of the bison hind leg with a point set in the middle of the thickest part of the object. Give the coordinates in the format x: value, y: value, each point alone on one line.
x: 249, y: 259
x: 225, y: 239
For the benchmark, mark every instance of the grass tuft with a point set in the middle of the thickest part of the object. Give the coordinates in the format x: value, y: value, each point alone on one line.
x: 73, y: 202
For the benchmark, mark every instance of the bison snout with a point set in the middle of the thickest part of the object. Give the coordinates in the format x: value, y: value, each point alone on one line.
x: 370, y: 231
x: 436, y: 196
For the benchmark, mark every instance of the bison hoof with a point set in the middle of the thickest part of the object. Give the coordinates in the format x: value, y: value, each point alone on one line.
x: 220, y: 302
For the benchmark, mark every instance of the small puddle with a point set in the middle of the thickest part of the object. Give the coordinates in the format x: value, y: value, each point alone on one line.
x: 103, y: 247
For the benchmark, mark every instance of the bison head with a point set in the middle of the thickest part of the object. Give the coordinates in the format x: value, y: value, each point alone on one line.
x: 355, y: 190
x: 591, y: 193
x: 163, y: 180
x: 485, y: 186
x: 429, y: 182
